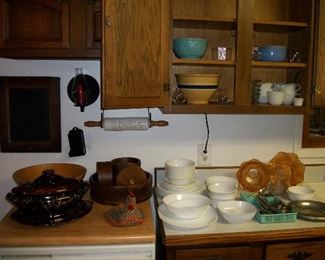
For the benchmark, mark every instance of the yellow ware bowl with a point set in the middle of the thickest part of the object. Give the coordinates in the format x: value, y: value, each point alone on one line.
x: 67, y: 170
x: 185, y: 79
x: 198, y: 96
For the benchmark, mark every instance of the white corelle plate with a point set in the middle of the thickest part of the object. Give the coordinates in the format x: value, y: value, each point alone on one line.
x: 195, y: 185
x: 206, y: 219
x: 162, y: 192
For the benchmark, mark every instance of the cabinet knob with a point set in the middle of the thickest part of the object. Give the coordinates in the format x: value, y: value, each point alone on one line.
x: 317, y: 90
x: 298, y: 255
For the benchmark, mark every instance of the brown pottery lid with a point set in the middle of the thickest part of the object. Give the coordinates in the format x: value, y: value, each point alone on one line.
x: 47, y: 184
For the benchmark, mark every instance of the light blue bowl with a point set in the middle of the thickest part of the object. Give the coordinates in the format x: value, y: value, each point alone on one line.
x: 272, y: 53
x: 190, y: 48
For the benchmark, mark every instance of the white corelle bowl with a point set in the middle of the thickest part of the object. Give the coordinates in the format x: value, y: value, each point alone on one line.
x: 300, y: 193
x: 236, y: 212
x: 186, y: 205
x: 221, y: 179
x: 229, y: 196
x: 222, y: 188
x: 180, y: 171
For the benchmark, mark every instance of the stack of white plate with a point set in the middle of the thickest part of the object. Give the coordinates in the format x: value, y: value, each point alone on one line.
x: 165, y: 188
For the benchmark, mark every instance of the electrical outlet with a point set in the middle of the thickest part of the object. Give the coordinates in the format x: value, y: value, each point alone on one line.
x: 204, y: 159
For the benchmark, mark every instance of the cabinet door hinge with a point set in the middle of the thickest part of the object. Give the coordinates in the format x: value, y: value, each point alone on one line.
x: 166, y: 88
x: 108, y: 21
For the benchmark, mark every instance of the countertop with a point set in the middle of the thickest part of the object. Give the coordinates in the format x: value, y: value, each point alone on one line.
x: 222, y: 232
x: 92, y: 229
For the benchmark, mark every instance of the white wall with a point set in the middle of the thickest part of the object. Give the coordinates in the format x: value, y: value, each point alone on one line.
x: 234, y: 138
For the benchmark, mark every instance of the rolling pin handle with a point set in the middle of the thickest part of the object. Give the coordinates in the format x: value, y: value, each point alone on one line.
x: 160, y: 123
x: 93, y: 123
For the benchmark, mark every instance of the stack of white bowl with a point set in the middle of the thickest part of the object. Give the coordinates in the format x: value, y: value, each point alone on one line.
x: 180, y: 178
x: 221, y: 188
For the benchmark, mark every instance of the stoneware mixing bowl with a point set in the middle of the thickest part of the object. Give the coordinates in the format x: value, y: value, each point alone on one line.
x: 190, y: 48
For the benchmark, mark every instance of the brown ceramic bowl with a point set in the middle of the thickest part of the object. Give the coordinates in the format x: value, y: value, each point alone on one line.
x: 48, y: 194
x: 67, y: 170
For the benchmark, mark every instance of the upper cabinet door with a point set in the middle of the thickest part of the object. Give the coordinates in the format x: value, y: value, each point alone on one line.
x: 319, y: 100
x: 34, y: 24
x: 135, y: 54
x: 50, y: 29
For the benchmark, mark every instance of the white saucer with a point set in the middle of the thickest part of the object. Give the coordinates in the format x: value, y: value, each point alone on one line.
x: 206, y: 219
x: 194, y: 185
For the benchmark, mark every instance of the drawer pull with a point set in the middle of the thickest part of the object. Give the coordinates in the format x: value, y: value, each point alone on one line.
x: 298, y: 255
x: 213, y: 258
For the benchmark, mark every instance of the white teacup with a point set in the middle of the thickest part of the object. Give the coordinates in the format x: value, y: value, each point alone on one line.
x: 290, y: 91
x: 275, y: 97
x: 263, y: 89
x: 298, y: 101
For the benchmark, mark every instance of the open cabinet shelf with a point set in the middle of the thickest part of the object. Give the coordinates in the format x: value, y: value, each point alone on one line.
x: 243, y: 25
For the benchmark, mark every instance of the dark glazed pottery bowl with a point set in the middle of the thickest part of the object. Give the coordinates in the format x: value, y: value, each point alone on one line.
x: 48, y: 194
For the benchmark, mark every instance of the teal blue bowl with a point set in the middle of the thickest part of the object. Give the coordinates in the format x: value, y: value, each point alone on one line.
x: 190, y: 48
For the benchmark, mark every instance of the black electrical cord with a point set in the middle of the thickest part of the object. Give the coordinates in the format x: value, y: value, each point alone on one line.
x: 208, y: 134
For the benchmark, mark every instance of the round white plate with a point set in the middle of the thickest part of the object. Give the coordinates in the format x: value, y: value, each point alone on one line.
x: 206, y: 219
x: 195, y: 185
x: 162, y: 192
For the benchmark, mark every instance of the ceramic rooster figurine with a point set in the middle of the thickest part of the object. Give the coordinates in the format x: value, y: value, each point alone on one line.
x: 126, y: 214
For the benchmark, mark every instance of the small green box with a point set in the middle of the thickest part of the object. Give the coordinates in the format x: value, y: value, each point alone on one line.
x: 268, y: 218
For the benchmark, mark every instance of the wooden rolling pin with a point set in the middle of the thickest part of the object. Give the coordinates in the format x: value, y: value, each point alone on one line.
x: 126, y: 123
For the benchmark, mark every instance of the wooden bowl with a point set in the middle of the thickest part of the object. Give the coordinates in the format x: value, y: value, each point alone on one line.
x: 67, y: 170
x: 115, y: 195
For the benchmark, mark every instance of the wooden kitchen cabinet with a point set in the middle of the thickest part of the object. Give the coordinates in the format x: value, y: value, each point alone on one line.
x: 241, y: 25
x: 314, y: 121
x: 219, y: 253
x: 296, y: 251
x: 135, y: 55
x: 50, y: 29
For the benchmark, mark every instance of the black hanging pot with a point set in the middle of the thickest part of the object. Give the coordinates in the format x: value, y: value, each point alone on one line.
x: 83, y: 90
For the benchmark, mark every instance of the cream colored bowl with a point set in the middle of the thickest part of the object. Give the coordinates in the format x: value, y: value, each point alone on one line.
x: 198, y: 96
x: 197, y: 79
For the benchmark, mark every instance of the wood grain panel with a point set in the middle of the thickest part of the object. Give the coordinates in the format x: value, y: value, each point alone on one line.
x: 35, y: 24
x: 222, y: 253
x: 314, y: 251
x: 205, y: 8
x: 134, y: 46
x: 320, y: 57
x: 270, y: 10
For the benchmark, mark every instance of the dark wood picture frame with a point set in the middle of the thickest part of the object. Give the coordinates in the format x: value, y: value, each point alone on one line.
x: 30, y: 114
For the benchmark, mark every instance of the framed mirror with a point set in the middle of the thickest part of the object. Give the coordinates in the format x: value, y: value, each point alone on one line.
x: 30, y: 119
